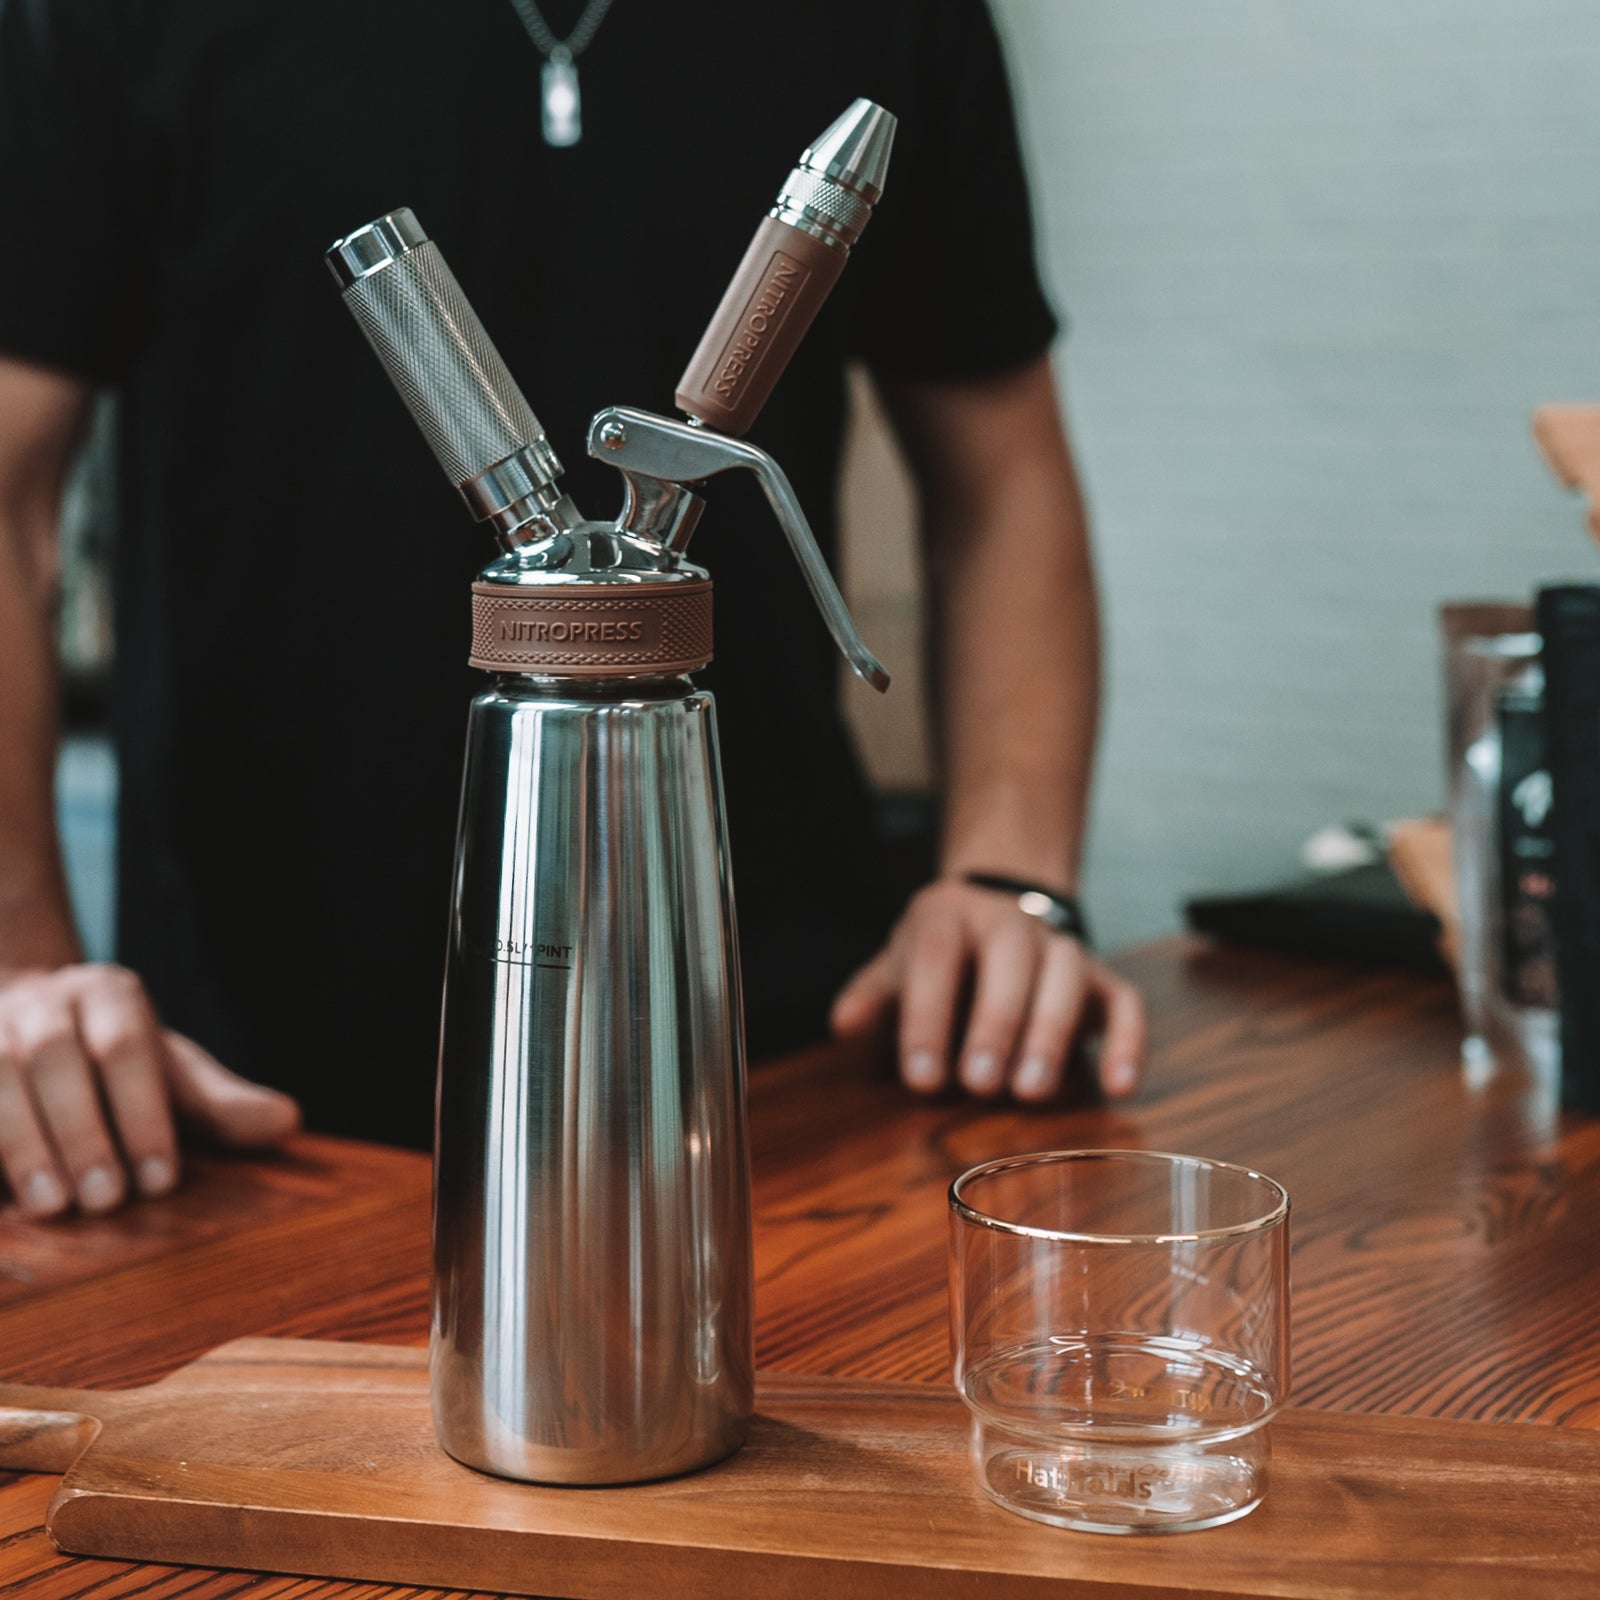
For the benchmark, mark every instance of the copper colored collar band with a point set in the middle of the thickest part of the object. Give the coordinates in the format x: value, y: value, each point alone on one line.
x: 592, y: 631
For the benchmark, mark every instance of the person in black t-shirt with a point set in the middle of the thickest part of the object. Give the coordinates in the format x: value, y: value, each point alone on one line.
x: 169, y: 177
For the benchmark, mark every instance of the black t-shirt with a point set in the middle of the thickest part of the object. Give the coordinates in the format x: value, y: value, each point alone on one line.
x: 170, y: 174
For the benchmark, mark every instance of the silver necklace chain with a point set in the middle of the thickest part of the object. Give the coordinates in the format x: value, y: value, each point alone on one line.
x: 575, y: 43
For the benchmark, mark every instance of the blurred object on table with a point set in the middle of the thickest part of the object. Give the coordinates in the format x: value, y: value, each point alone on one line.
x: 1342, y: 845
x: 1459, y: 621
x: 1357, y: 913
x: 1569, y: 620
x: 1569, y: 437
x: 1498, y: 786
x: 1420, y: 858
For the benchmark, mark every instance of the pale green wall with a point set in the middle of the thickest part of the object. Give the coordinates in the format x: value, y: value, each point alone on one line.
x: 1321, y: 262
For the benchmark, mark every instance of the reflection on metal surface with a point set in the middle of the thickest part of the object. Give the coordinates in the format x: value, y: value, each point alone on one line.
x: 592, y: 1314
x: 447, y: 370
x: 592, y: 1263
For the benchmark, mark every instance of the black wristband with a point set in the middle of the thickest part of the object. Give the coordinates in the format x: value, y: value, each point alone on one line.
x: 1061, y: 911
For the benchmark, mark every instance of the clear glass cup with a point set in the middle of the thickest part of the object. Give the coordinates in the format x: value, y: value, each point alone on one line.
x: 1119, y: 1326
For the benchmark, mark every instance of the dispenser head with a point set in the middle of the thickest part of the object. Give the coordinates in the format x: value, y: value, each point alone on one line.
x: 576, y: 598
x: 450, y: 376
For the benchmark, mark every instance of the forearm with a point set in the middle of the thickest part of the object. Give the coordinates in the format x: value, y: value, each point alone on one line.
x: 1017, y: 662
x: 89, y: 1077
x: 1016, y: 658
x: 41, y: 419
x: 36, y: 926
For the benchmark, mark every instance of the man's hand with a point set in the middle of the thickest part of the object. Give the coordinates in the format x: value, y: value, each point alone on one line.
x: 1015, y: 634
x: 1034, y: 993
x: 89, y: 1081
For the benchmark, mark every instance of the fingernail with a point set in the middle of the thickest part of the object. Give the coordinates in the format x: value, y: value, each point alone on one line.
x: 44, y: 1193
x: 1119, y: 1077
x: 922, y: 1070
x: 982, y: 1072
x: 156, y: 1175
x: 98, y: 1189
x: 1033, y: 1076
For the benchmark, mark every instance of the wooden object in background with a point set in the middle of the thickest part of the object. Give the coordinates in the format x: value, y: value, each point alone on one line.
x: 1419, y: 856
x: 1446, y: 1242
x: 1569, y: 438
x: 295, y: 1456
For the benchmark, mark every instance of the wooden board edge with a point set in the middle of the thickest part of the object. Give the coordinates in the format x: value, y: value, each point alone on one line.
x: 537, y: 1564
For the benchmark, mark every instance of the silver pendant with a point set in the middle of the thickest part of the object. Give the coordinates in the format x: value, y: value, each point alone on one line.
x: 562, y: 106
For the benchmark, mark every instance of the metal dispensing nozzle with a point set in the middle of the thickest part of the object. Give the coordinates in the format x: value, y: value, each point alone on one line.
x: 794, y: 260
x: 839, y: 179
x: 450, y: 376
x: 792, y: 263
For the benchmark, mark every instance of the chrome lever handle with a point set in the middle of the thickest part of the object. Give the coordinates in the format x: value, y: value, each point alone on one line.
x: 643, y: 445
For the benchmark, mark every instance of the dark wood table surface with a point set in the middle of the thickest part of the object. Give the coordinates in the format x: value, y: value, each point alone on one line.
x: 1446, y: 1238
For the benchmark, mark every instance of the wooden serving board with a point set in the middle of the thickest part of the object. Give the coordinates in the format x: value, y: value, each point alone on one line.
x: 318, y: 1458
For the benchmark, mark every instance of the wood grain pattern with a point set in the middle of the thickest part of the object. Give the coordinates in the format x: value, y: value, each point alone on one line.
x: 320, y: 1458
x: 1447, y: 1240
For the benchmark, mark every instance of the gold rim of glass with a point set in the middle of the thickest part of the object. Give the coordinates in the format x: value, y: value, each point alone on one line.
x: 970, y: 1213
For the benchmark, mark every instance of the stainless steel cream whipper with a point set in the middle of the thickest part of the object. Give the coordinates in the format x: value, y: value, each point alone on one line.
x: 592, y: 1267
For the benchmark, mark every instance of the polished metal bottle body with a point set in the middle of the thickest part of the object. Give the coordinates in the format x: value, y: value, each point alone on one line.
x: 592, y: 1265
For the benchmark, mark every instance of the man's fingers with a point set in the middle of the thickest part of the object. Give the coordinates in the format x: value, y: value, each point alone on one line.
x: 120, y: 1035
x: 26, y: 1157
x: 866, y: 999
x: 1122, y: 1054
x: 89, y: 1081
x: 935, y: 963
x: 1007, y: 965
x: 1057, y: 1011
x: 230, y: 1107
x: 63, y: 1087
x: 1032, y: 994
